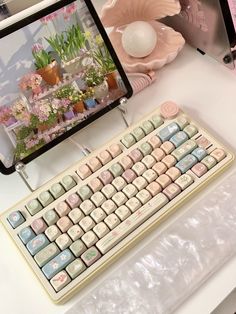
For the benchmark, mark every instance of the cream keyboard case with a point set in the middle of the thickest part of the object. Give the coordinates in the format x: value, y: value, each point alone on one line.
x: 80, y: 222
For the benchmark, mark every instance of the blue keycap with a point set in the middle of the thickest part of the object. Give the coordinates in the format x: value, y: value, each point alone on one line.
x: 58, y: 263
x: 26, y: 235
x: 199, y: 153
x: 179, y: 138
x: 16, y: 219
x: 37, y: 244
x: 170, y: 130
x: 186, y: 163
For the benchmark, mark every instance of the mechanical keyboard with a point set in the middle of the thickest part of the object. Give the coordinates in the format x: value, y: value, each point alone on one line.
x: 74, y: 226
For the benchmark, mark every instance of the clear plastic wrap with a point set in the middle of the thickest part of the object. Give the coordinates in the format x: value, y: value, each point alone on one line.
x: 162, y: 275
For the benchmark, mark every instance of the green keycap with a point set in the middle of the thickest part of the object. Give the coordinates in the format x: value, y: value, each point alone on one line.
x: 91, y: 256
x: 182, y: 122
x: 184, y: 149
x: 147, y: 127
x: 34, y: 207
x: 78, y: 248
x: 146, y: 149
x: 75, y: 268
x: 68, y: 182
x: 85, y: 192
x: 157, y: 121
x: 128, y: 140
x: 51, y: 217
x: 57, y: 190
x: 116, y: 170
x: 46, y: 254
x: 138, y: 133
x: 45, y: 198
x: 209, y: 162
x: 191, y: 130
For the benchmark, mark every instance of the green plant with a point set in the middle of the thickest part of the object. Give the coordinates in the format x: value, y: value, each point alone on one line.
x: 41, y: 57
x: 94, y: 76
x: 65, y: 92
x: 69, y: 43
x: 89, y: 93
x: 23, y: 132
x: 103, y: 57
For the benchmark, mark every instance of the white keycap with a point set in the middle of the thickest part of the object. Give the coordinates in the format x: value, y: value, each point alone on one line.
x: 119, y: 198
x: 52, y: 233
x: 119, y: 183
x: 123, y: 212
x: 63, y: 241
x: 89, y: 239
x: 76, y: 215
x: 87, y: 207
x: 109, y: 207
x: 130, y: 190
x: 75, y: 232
x: 184, y: 181
x: 87, y: 223
x: 98, y: 199
x: 131, y: 223
x: 109, y: 190
x: 149, y: 161
x: 140, y: 183
x: 61, y: 280
x: 112, y: 221
x: 98, y: 215
x: 150, y: 175
x: 133, y: 204
x: 139, y: 168
x: 101, y: 230
x: 144, y: 196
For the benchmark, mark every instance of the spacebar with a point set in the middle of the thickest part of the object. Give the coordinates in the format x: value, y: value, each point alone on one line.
x: 131, y: 223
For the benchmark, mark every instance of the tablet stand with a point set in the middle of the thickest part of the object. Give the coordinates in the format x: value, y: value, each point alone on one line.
x: 21, y: 167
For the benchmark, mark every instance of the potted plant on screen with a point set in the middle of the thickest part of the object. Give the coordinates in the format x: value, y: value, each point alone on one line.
x: 105, y: 61
x: 95, y: 78
x: 43, y: 116
x: 89, y: 98
x: 45, y: 65
x: 6, y: 116
x: 31, y: 81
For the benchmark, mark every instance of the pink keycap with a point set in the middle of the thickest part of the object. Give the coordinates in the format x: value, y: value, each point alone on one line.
x: 173, y: 173
x: 104, y: 157
x: 158, y: 154
x: 94, y: 164
x: 203, y: 142
x: 115, y: 150
x: 155, y: 142
x: 154, y: 188
x: 169, y: 161
x: 169, y: 110
x: 74, y: 200
x: 95, y: 185
x: 126, y: 162
x: 62, y: 209
x: 39, y: 226
x: 199, y: 169
x: 164, y: 181
x: 64, y: 224
x: 219, y: 154
x: 84, y: 172
x: 106, y: 177
x: 172, y: 191
x: 129, y: 176
x: 136, y: 155
x: 160, y: 168
x: 168, y: 147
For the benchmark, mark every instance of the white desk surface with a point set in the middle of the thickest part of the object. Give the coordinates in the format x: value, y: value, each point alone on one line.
x: 206, y: 90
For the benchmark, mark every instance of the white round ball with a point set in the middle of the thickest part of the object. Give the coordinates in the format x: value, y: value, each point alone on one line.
x: 139, y: 39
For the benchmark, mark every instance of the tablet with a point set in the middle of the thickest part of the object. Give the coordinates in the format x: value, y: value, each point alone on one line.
x: 58, y: 73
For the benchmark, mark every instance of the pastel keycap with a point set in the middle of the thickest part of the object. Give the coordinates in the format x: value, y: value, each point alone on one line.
x: 145, y: 149
x: 219, y: 154
x: 157, y: 121
x: 64, y: 224
x: 61, y: 280
x: 116, y: 170
x: 169, y: 110
x: 191, y: 130
x: 78, y: 248
x: 45, y: 198
x: 75, y: 268
x: 94, y: 164
x: 186, y: 163
x: 203, y: 142
x: 167, y: 147
x: 184, y: 181
x: 128, y: 140
x: 136, y: 155
x: 172, y: 191
x: 57, y: 190
x: 34, y: 207
x: 147, y: 127
x: 106, y: 177
x: 126, y: 162
x: 62, y: 209
x: 138, y: 133
x: 16, y: 219
x: 85, y: 192
x: 95, y: 185
x: 115, y: 150
x: 37, y: 244
x: 26, y: 235
x: 184, y: 149
x: 58, y: 263
x: 129, y: 176
x: 46, y: 254
x: 155, y: 142
x: 182, y: 121
x: 209, y: 162
x: 199, y: 153
x: 50, y: 217
x: 166, y: 133
x: 104, y: 157
x: 84, y: 172
x: 68, y: 182
x: 158, y: 154
x: 199, y: 169
x: 39, y: 225
x: 73, y: 200
x: 179, y: 138
x: 91, y: 256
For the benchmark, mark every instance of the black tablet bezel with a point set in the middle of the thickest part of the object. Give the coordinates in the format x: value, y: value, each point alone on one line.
x: 36, y: 16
